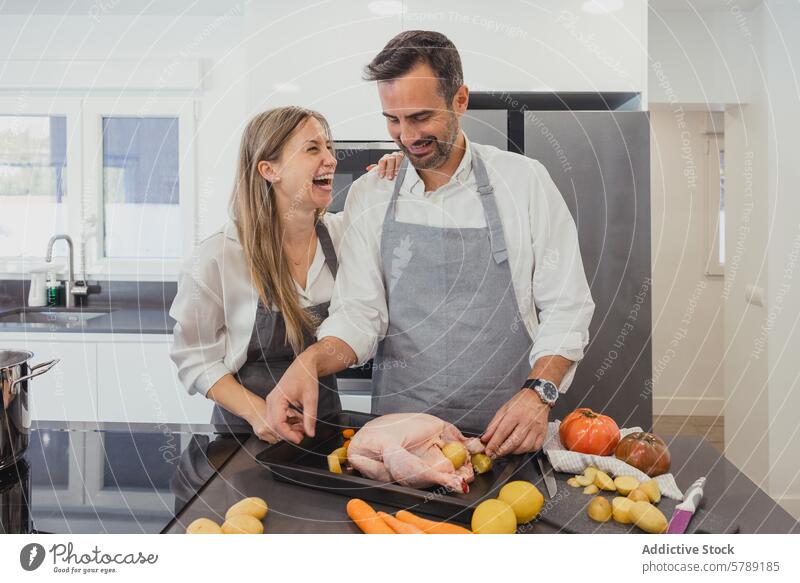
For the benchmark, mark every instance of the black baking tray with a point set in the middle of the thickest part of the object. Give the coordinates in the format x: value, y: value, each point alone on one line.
x: 306, y: 464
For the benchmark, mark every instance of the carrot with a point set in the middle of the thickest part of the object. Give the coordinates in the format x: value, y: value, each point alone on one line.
x: 430, y: 526
x: 399, y: 526
x: 348, y: 433
x: 366, y: 519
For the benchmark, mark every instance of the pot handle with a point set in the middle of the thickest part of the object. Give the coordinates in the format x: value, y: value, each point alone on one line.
x: 40, y: 368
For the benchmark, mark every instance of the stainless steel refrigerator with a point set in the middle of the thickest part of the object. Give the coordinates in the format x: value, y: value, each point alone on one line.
x: 598, y: 154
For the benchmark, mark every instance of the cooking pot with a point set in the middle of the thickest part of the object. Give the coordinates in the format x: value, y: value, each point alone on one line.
x: 15, y: 420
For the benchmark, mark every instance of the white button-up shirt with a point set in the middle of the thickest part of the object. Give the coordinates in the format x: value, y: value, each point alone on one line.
x: 215, y: 307
x: 544, y: 258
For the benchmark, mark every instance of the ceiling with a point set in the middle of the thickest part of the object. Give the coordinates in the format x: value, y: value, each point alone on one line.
x: 703, y: 5
x: 116, y: 7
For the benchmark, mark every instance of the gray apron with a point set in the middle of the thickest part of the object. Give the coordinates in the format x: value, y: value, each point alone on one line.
x: 456, y: 345
x: 269, y: 355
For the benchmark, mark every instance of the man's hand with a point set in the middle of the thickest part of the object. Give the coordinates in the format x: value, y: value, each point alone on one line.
x: 292, y: 404
x: 297, y: 390
x: 519, y: 426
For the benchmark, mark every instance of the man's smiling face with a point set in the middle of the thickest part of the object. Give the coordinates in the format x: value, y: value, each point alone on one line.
x: 419, y: 119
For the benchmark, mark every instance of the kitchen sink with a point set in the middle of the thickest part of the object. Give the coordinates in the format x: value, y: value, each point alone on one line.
x: 69, y: 317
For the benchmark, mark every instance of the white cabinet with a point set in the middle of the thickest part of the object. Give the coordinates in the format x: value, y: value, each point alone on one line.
x: 525, y: 46
x: 108, y: 377
x: 68, y: 391
x: 138, y: 383
x: 313, y: 54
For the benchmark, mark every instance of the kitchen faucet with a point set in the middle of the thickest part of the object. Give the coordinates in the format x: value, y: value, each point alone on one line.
x: 70, y: 287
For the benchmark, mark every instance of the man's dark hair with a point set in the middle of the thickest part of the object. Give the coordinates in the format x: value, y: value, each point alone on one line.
x: 412, y: 47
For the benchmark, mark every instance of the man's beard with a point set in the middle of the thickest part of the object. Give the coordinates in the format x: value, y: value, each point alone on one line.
x: 441, y: 149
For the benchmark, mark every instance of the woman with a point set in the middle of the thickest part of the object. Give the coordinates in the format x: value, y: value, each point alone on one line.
x: 253, y: 294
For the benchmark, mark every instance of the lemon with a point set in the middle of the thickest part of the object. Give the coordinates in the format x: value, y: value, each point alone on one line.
x: 455, y: 452
x: 494, y: 517
x: 481, y: 463
x: 524, y: 498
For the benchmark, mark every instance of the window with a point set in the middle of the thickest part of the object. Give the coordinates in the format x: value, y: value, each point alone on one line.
x: 715, y: 207
x: 33, y: 182
x: 141, y: 188
x: 116, y: 174
x: 139, y: 197
x: 721, y: 238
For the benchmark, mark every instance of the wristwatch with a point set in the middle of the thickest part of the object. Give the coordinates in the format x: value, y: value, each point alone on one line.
x: 547, y: 391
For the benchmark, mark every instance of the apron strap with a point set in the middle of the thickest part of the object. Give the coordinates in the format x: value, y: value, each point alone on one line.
x: 493, y: 222
x: 391, y: 212
x: 486, y: 192
x: 327, y: 248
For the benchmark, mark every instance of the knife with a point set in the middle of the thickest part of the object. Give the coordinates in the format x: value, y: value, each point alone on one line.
x: 547, y: 474
x: 684, y: 511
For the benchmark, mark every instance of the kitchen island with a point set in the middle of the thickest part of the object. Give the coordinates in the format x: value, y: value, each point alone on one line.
x: 140, y: 478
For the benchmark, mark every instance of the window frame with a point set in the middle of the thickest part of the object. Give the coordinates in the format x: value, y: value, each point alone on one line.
x: 84, y: 197
x: 22, y: 105
x: 142, y: 269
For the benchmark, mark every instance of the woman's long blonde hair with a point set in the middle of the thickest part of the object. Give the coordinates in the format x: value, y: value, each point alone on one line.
x: 258, y: 223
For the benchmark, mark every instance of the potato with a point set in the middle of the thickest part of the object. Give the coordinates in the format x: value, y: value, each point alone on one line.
x: 584, y: 480
x: 638, y: 495
x: 481, y: 463
x: 203, y: 526
x: 255, y: 507
x: 455, y: 452
x: 524, y: 498
x: 626, y: 484
x: 334, y: 465
x: 242, y: 524
x: 494, y: 517
x: 591, y: 471
x: 572, y: 482
x: 620, y: 509
x: 652, y: 489
x: 341, y: 453
x: 648, y: 517
x: 591, y: 489
x: 603, y: 481
x: 599, y: 509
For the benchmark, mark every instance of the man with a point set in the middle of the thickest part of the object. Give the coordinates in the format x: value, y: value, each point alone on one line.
x: 442, y: 272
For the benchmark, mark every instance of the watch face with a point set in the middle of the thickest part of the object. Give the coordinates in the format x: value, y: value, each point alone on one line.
x: 550, y: 391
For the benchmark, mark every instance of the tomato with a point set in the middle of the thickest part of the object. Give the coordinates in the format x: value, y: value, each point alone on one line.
x: 585, y: 431
x: 646, y: 452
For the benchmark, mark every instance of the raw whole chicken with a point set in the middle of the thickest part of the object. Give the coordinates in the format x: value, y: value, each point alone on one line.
x: 405, y: 448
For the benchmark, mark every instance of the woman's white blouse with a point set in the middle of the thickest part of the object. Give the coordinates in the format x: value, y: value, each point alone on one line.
x: 215, y: 307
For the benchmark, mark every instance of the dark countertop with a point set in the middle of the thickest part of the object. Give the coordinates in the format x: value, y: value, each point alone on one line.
x: 132, y: 478
x: 117, y: 320
x: 297, y: 509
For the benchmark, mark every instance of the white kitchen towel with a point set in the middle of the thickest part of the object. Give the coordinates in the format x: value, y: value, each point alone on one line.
x: 572, y: 462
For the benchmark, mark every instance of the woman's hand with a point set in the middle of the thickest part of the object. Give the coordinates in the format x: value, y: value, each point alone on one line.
x: 388, y: 165
x: 258, y: 421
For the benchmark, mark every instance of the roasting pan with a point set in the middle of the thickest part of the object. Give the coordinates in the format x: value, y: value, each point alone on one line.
x: 306, y: 464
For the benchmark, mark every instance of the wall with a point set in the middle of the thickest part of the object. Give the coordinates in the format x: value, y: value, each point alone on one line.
x: 762, y: 397
x: 687, y: 303
x: 744, y: 59
x: 699, y: 57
